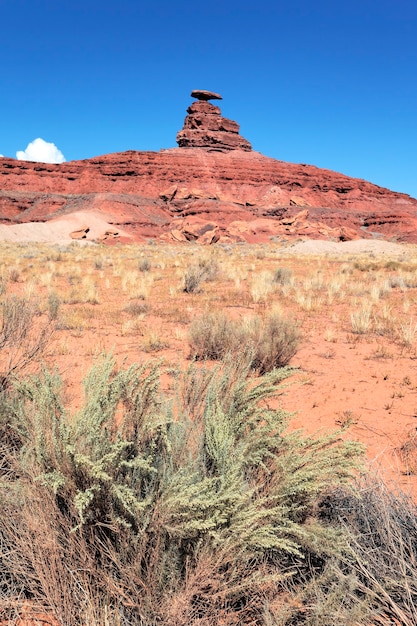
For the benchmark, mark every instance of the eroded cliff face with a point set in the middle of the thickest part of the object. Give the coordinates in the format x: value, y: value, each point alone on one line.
x: 212, y: 188
x: 195, y: 193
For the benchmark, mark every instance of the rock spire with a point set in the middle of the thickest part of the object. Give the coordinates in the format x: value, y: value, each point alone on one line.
x: 204, y: 126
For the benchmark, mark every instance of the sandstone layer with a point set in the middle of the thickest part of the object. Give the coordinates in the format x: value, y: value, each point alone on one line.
x: 196, y: 194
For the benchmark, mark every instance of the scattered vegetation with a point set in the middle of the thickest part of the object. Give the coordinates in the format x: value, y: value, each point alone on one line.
x: 190, y: 501
x: 136, y: 308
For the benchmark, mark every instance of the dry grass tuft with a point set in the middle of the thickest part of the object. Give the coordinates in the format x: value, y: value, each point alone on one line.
x: 271, y: 342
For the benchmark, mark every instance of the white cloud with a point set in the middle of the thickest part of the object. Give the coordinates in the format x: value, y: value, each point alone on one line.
x: 41, y: 151
x: 1, y: 155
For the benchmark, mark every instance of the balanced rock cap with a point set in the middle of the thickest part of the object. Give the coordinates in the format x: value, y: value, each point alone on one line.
x: 202, y: 94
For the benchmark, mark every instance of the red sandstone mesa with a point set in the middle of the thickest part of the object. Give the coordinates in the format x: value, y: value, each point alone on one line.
x: 213, y: 178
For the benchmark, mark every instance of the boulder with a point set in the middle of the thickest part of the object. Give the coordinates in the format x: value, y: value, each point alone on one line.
x: 203, y: 94
x: 175, y: 235
x: 209, y: 237
x: 80, y: 233
x: 194, y: 229
x: 109, y: 233
x: 298, y: 217
x: 298, y: 201
x: 168, y: 194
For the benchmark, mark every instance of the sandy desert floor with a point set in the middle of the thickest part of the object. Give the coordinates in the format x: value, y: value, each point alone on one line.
x: 355, y: 304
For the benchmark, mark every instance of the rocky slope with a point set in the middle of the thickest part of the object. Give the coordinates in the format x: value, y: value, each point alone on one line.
x: 214, y: 192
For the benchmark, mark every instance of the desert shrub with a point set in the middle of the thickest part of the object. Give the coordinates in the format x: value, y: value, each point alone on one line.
x: 3, y: 284
x: 381, y: 529
x: 23, y: 336
x: 54, y: 303
x: 374, y: 580
x: 210, y: 267
x: 261, y: 286
x: 153, y: 342
x: 397, y: 281
x: 271, y: 342
x: 392, y: 265
x: 275, y: 340
x: 361, y: 319
x: 193, y: 278
x: 144, y: 265
x: 214, y: 334
x: 282, y: 275
x: 144, y: 509
x: 136, y: 308
x: 14, y: 275
x: 204, y: 270
x: 366, y: 265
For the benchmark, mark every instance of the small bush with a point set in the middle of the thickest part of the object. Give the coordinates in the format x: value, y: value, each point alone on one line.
x: 275, y: 342
x: 282, y: 276
x: 210, y: 267
x: 3, y: 284
x: 23, y: 336
x: 271, y: 342
x: 392, y: 265
x: 54, y: 302
x: 193, y: 278
x: 153, y: 343
x: 14, y: 275
x: 204, y: 270
x: 361, y: 320
x: 144, y: 265
x: 261, y: 286
x: 214, y: 335
x: 381, y: 528
x: 136, y: 308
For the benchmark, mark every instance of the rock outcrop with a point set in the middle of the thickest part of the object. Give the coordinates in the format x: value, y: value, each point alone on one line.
x: 214, y: 192
x: 204, y: 126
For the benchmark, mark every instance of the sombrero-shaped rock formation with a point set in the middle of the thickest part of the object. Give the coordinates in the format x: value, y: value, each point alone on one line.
x: 204, y: 126
x: 213, y: 188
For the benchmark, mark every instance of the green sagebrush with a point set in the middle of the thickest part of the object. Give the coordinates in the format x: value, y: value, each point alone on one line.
x: 159, y: 483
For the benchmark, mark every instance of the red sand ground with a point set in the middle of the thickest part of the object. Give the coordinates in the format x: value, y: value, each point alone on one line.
x: 366, y: 382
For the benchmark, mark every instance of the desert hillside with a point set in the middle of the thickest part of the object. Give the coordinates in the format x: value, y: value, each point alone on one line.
x: 211, y: 188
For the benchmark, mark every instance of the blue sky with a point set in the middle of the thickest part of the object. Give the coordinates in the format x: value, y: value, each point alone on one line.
x: 329, y: 83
